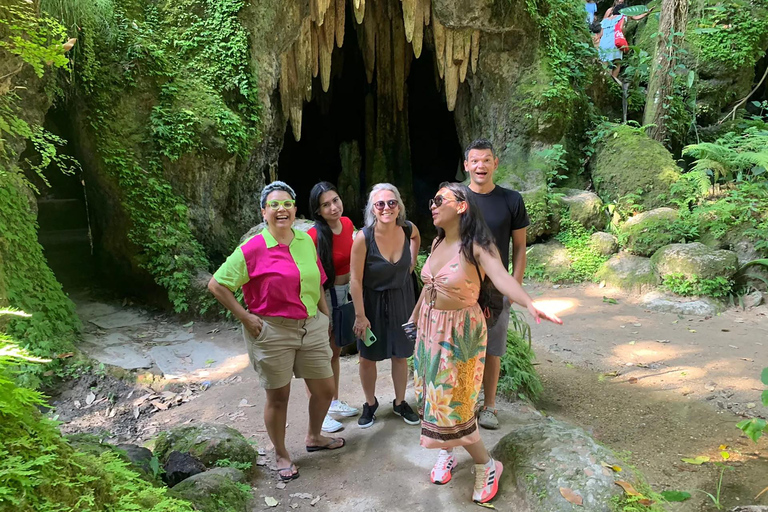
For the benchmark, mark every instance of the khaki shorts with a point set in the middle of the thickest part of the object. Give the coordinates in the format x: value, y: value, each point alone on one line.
x: 287, y: 347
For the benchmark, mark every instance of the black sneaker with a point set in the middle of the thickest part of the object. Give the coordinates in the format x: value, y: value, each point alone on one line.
x: 367, y: 418
x: 406, y: 412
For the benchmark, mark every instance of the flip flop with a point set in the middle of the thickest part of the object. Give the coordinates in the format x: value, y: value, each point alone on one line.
x: 334, y: 440
x: 292, y: 476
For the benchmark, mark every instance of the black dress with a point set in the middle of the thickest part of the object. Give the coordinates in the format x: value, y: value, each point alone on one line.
x: 389, y: 299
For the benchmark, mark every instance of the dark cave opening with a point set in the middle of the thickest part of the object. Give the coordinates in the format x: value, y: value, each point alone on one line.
x: 64, y: 225
x: 336, y: 128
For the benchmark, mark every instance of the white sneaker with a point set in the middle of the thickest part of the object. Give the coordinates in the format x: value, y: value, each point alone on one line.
x: 486, y: 481
x: 342, y: 408
x: 441, y: 473
x: 331, y: 425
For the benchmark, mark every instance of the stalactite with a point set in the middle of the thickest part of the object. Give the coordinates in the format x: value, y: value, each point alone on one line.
x: 418, y: 35
x: 304, y: 55
x: 359, y: 8
x: 318, y: 10
x: 315, y: 51
x: 439, y: 34
x: 475, y: 49
x: 426, y: 10
x: 409, y: 17
x: 323, y: 38
x: 341, y: 18
x: 399, y: 49
x: 369, y: 43
x: 451, y: 83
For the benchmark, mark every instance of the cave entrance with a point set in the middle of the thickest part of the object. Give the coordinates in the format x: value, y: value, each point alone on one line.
x: 372, y: 116
x: 62, y: 215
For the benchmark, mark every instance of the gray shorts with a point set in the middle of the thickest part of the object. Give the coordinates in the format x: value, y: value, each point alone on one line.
x: 497, y: 335
x: 342, y: 296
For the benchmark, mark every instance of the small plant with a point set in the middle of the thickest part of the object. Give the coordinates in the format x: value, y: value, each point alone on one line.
x: 226, y: 463
x: 518, y: 375
x: 681, y: 284
x: 718, y: 489
x: 755, y: 428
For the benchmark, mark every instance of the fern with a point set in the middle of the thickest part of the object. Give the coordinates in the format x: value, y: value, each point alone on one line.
x: 741, y: 157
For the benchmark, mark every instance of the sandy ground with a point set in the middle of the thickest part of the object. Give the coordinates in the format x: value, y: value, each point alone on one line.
x: 604, y: 370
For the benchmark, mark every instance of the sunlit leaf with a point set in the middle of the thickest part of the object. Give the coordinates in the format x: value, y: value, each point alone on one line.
x: 627, y: 488
x: 675, y: 496
x: 698, y: 461
x: 634, y: 10
x: 725, y: 455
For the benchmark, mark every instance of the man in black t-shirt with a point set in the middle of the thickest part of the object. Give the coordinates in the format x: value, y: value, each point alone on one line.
x: 505, y: 214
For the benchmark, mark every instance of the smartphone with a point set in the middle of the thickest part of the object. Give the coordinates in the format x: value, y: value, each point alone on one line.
x: 410, y: 331
x: 369, y: 338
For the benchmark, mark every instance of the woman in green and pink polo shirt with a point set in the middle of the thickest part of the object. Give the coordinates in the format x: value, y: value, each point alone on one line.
x: 286, y: 324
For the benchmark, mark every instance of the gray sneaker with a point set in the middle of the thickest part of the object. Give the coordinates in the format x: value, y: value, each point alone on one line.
x: 487, y: 418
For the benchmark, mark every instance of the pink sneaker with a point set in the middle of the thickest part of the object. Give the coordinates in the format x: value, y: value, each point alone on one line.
x: 486, y: 481
x: 441, y: 473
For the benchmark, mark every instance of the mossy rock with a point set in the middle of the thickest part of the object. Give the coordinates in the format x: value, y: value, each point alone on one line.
x: 604, y: 243
x: 549, y: 260
x: 628, y: 272
x: 647, y: 232
x: 584, y: 207
x: 89, y: 443
x: 539, y: 213
x: 216, y: 490
x: 207, y: 442
x: 694, y: 260
x: 630, y: 162
x: 543, y: 457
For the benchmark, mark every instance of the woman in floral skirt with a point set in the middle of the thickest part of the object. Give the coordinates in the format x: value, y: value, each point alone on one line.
x: 451, y: 335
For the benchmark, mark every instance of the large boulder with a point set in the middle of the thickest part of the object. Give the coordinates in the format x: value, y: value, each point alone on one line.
x: 584, y: 207
x: 207, y: 442
x: 604, y: 243
x: 217, y: 490
x: 630, y: 162
x: 694, y: 260
x: 668, y: 303
x: 645, y: 233
x: 628, y: 272
x: 547, y: 456
x: 549, y: 261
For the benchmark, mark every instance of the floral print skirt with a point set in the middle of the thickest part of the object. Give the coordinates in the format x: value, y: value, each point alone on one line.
x: 448, y: 373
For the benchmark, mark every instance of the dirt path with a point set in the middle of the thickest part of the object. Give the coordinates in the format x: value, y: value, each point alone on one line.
x: 673, y: 400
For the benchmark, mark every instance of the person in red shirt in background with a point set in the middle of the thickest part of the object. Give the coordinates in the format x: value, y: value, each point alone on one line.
x: 332, y: 235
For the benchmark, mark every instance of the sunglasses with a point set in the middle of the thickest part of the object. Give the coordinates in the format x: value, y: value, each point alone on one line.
x: 438, y: 201
x: 287, y: 204
x: 392, y: 204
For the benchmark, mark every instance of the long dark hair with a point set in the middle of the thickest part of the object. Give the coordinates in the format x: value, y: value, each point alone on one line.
x: 472, y: 227
x: 324, y: 233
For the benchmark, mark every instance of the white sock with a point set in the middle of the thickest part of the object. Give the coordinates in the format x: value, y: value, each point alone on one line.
x: 449, y: 452
x: 334, y: 402
x: 490, y: 463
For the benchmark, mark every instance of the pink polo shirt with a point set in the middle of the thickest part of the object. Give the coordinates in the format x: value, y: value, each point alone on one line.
x: 277, y: 280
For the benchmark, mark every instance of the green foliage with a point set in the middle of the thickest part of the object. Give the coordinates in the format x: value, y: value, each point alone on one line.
x: 730, y: 35
x: 690, y: 189
x: 569, y: 56
x: 226, y: 463
x: 518, y: 375
x: 186, y: 67
x: 756, y: 427
x: 40, y: 472
x: 578, y: 243
x: 35, y: 38
x: 682, y: 285
x: 740, y: 157
x: 743, y: 209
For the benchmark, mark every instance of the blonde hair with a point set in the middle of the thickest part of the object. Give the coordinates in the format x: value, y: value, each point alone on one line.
x: 370, y: 217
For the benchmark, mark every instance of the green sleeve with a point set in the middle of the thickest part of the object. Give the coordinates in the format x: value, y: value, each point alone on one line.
x: 233, y: 273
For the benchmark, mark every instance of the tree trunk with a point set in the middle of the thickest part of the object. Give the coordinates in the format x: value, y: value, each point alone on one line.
x: 674, y: 14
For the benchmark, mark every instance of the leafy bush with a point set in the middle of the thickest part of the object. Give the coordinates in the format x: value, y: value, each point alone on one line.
x: 40, y: 472
x: 756, y: 427
x: 740, y: 157
x: 578, y: 242
x: 518, y: 375
x: 686, y: 286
